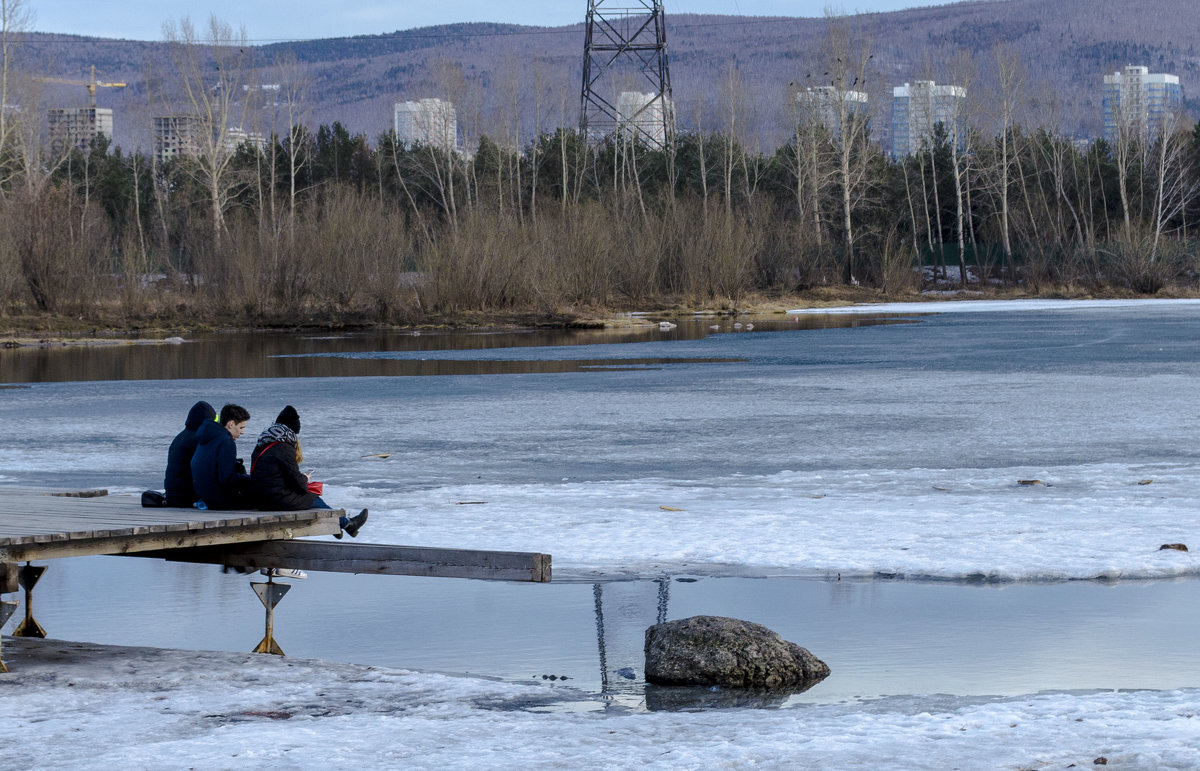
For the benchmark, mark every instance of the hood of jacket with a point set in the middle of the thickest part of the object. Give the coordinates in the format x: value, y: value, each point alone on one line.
x: 200, y: 412
x: 276, y: 432
x: 211, y: 431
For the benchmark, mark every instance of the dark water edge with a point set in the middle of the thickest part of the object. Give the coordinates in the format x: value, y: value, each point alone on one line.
x: 585, y: 640
x: 295, y: 354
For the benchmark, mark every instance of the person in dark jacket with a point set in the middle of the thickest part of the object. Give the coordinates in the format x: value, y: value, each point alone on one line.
x: 275, y: 475
x: 219, y: 478
x: 178, y: 480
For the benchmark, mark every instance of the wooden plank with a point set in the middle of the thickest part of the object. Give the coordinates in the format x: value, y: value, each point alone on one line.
x: 378, y: 559
x: 177, y: 539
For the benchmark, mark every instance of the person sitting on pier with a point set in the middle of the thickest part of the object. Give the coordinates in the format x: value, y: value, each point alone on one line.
x: 178, y: 480
x: 220, y: 479
x: 278, y: 483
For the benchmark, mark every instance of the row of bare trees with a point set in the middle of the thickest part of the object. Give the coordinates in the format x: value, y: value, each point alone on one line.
x: 326, y: 225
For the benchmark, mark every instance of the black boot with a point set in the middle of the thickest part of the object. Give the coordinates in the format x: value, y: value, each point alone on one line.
x: 355, y: 523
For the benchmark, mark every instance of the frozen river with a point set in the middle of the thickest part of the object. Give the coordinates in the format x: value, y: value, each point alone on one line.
x: 854, y: 482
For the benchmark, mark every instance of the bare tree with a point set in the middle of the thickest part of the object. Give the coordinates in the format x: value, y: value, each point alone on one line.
x: 848, y: 58
x: 15, y: 19
x: 1174, y: 183
x: 212, y: 67
x: 1010, y: 85
x: 961, y: 153
x: 734, y: 99
x: 293, y: 88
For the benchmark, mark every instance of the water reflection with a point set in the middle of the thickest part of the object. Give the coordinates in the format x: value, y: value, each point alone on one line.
x: 879, y: 637
x: 288, y: 355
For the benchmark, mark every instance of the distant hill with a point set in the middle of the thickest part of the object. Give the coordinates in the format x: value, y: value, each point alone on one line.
x: 495, y: 71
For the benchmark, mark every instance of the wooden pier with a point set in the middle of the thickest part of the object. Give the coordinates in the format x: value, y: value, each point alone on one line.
x: 47, y: 525
x: 38, y: 525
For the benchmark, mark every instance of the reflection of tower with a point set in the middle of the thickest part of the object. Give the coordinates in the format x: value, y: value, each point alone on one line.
x: 622, y: 656
x: 626, y: 39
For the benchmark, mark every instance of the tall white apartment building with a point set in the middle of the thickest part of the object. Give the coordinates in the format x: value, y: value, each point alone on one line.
x: 919, y: 107
x: 645, y: 116
x: 76, y: 127
x: 821, y: 106
x: 1139, y: 104
x: 429, y: 122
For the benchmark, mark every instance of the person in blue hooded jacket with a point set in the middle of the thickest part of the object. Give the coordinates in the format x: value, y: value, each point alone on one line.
x: 180, y: 492
x: 220, y: 479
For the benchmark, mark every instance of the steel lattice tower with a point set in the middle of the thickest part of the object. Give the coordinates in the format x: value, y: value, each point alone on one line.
x: 626, y: 39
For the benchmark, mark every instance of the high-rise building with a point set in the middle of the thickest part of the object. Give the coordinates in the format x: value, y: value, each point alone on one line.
x: 918, y: 108
x: 1139, y: 104
x: 186, y: 135
x: 429, y: 122
x: 645, y: 116
x: 821, y: 106
x: 177, y: 135
x: 77, y: 127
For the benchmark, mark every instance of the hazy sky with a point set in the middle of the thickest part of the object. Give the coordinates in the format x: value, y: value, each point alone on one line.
x: 305, y: 19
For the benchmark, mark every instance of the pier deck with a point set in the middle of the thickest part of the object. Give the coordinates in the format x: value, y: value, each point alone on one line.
x: 39, y: 524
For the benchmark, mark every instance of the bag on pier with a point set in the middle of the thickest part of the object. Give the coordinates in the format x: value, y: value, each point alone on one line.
x: 153, y: 499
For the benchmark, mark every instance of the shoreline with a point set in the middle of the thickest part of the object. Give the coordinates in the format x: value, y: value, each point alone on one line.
x: 54, y: 330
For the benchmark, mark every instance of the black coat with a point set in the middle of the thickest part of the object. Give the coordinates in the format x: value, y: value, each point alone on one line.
x: 276, y: 479
x: 178, y: 479
x: 216, y: 472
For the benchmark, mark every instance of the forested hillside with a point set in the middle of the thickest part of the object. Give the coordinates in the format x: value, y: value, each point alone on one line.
x: 495, y: 72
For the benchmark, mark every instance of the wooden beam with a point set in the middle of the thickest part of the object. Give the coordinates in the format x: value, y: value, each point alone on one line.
x: 379, y: 559
x: 178, y: 536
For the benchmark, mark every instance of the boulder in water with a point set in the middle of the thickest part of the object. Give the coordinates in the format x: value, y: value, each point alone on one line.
x: 713, y: 650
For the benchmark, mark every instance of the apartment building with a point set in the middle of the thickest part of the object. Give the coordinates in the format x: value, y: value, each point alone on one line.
x: 919, y: 107
x: 1139, y: 104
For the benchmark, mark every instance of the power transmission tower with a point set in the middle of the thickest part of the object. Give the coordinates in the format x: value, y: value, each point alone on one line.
x: 625, y: 50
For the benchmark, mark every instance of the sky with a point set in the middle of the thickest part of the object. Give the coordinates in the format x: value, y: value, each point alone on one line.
x: 308, y: 19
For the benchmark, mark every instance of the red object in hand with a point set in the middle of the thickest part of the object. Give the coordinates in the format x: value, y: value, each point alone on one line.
x: 316, y: 487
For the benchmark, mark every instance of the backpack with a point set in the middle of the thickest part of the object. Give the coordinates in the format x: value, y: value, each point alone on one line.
x: 153, y: 499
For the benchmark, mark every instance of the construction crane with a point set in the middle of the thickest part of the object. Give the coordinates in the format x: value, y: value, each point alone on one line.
x: 91, y: 85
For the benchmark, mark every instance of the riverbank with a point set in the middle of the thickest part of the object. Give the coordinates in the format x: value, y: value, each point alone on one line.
x: 112, y: 326
x: 103, y: 706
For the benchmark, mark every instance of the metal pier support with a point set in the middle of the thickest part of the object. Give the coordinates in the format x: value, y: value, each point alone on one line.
x: 270, y: 594
x: 29, y: 575
x: 6, y: 610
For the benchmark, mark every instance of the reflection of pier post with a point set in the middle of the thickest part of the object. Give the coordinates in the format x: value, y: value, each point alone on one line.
x: 598, y: 594
x: 635, y: 611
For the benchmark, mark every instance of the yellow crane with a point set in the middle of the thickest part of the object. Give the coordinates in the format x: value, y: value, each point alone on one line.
x: 91, y: 85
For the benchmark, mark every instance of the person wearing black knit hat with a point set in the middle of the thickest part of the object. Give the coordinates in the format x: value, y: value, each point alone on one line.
x: 290, y: 418
x: 275, y: 474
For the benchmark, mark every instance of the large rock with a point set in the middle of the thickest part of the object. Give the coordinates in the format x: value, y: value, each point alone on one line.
x: 711, y: 650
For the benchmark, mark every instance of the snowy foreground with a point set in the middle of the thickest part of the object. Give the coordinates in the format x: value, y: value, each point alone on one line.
x: 72, y: 705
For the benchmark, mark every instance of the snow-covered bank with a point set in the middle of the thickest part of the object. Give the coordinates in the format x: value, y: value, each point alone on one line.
x: 995, y: 306
x: 1083, y: 522
x: 75, y: 705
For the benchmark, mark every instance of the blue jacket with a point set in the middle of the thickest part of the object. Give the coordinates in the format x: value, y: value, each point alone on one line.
x: 178, y: 479
x: 218, y: 477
